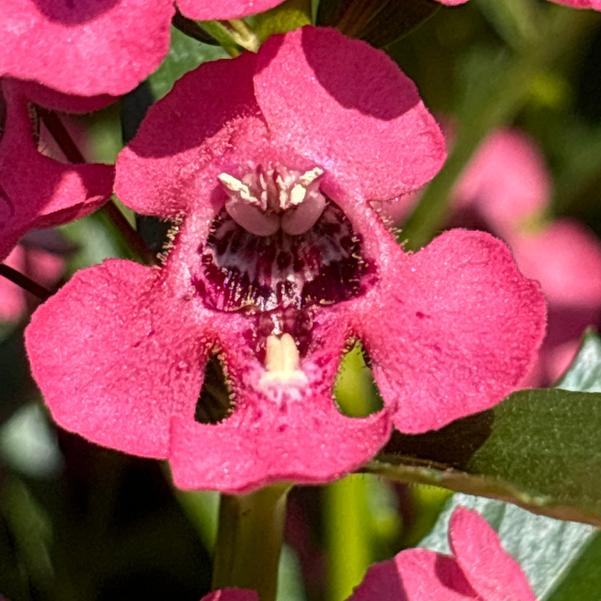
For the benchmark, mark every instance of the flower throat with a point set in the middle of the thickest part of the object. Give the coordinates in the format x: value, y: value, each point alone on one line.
x: 279, y: 250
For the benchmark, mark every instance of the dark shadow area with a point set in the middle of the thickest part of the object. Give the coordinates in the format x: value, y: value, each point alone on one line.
x: 452, y: 445
x: 73, y: 12
x: 378, y: 23
x: 450, y: 575
x: 338, y: 73
x: 215, y: 402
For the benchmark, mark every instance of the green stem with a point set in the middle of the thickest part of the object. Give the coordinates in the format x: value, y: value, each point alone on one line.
x: 348, y: 538
x: 23, y: 281
x: 249, y: 541
x: 492, y: 106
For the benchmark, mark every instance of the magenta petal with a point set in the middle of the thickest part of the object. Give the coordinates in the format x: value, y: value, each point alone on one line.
x: 595, y: 4
x: 112, y: 358
x: 415, y: 575
x: 506, y: 182
x: 303, y: 440
x: 365, y: 121
x: 36, y: 191
x: 231, y: 594
x: 162, y: 170
x: 209, y: 10
x: 490, y: 570
x: 466, y: 327
x: 113, y: 44
x: 565, y: 258
x: 57, y: 101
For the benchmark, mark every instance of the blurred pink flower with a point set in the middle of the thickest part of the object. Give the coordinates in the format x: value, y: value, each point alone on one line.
x: 479, y: 569
x: 112, y: 44
x: 35, y: 259
x: 279, y: 264
x: 595, y: 4
x: 507, y: 185
x: 37, y: 191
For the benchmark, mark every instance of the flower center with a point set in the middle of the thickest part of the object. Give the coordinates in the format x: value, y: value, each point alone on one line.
x: 278, y: 251
x: 274, y: 198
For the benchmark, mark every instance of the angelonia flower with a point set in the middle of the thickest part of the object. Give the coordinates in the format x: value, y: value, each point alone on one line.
x: 279, y: 264
x: 38, y: 191
x: 112, y: 46
x: 507, y: 187
x: 594, y: 4
x: 479, y: 569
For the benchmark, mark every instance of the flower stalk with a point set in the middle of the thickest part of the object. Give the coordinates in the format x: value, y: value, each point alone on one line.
x: 21, y: 280
x: 249, y: 540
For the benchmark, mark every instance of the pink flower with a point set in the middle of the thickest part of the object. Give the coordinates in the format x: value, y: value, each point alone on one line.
x: 112, y: 44
x: 479, y: 569
x: 35, y: 190
x: 36, y: 258
x: 507, y: 185
x: 594, y: 4
x: 279, y: 264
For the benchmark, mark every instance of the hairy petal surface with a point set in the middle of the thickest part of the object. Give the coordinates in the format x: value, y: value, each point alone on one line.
x: 365, y: 120
x: 167, y: 166
x: 490, y: 570
x: 205, y: 10
x: 113, y: 44
x: 113, y: 359
x: 415, y: 575
x: 129, y: 374
x: 480, y: 569
x: 461, y: 328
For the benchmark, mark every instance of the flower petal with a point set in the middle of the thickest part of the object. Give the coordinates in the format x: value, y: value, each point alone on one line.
x: 365, y: 120
x: 113, y: 358
x: 36, y: 191
x: 595, y: 4
x: 415, y: 575
x: 162, y: 170
x: 564, y: 257
x: 507, y: 181
x: 490, y: 570
x: 113, y: 44
x: 466, y: 327
x: 276, y: 432
x: 224, y: 9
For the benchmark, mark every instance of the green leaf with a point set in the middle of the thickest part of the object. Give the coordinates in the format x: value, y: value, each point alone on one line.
x: 540, y: 449
x: 283, y: 18
x: 184, y: 55
x: 379, y: 23
x: 556, y: 556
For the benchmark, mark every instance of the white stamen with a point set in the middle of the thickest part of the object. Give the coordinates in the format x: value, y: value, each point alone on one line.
x: 297, y: 194
x: 275, y: 197
x: 282, y: 361
x: 307, y: 178
x: 238, y: 188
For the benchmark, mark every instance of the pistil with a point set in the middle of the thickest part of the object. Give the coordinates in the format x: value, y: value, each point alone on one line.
x: 282, y: 361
